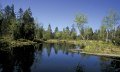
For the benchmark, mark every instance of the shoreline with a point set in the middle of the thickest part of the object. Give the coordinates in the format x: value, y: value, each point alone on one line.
x: 95, y: 54
x: 16, y: 43
x: 91, y: 50
x: 20, y: 43
x: 98, y: 48
x: 99, y: 54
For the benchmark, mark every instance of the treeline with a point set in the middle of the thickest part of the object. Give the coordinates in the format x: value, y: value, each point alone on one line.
x: 108, y: 31
x: 68, y: 33
x: 21, y: 25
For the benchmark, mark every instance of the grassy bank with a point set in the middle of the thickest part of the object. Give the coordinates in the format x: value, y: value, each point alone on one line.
x: 8, y: 42
x: 76, y: 42
x: 93, y: 47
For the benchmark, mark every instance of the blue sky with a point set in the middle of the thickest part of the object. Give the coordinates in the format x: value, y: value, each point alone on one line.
x: 61, y: 13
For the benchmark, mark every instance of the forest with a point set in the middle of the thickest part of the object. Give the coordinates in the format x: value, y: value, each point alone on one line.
x: 22, y: 26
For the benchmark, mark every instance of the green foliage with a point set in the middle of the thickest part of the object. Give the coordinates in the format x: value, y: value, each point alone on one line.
x: 73, y: 33
x: 39, y: 32
x: 3, y: 43
x: 88, y: 33
x: 110, y: 21
x: 116, y: 41
x: 28, y: 26
x: 65, y: 33
x: 96, y: 35
x: 56, y: 30
x: 82, y: 46
x: 48, y: 33
x: 102, y: 32
x: 118, y: 32
x: 80, y: 20
x: 21, y: 27
x: 58, y: 35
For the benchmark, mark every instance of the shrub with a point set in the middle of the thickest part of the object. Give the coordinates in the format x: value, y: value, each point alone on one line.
x: 82, y: 46
x: 116, y: 41
x: 4, y: 43
x: 44, y: 39
x: 37, y: 40
x: 22, y: 40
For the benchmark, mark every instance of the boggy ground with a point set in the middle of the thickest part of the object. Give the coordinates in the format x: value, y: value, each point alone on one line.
x: 93, y: 47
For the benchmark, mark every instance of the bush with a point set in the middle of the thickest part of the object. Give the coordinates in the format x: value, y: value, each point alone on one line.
x: 22, y: 40
x: 82, y: 46
x: 4, y: 43
x: 44, y: 39
x: 116, y: 41
x: 37, y: 40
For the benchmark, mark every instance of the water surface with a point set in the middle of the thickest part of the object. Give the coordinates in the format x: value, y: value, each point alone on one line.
x: 54, y: 58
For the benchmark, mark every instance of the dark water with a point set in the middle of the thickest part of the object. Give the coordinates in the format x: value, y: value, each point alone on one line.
x: 54, y: 58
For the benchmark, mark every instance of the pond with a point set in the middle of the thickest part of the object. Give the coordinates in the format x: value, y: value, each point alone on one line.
x: 54, y: 58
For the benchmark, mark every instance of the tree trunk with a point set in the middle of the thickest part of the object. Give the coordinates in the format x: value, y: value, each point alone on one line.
x: 107, y: 36
x: 82, y: 37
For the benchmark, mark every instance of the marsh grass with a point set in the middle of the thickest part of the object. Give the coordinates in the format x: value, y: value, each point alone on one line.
x: 92, y: 46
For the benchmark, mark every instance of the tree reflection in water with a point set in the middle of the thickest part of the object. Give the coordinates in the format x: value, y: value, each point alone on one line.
x: 24, y: 57
x: 116, y: 64
x: 79, y: 68
x: 19, y: 59
x: 63, y: 47
x: 112, y: 66
x: 38, y: 53
x: 6, y: 62
x: 36, y: 58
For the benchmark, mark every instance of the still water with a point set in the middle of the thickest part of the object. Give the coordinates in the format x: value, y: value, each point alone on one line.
x: 54, y: 58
